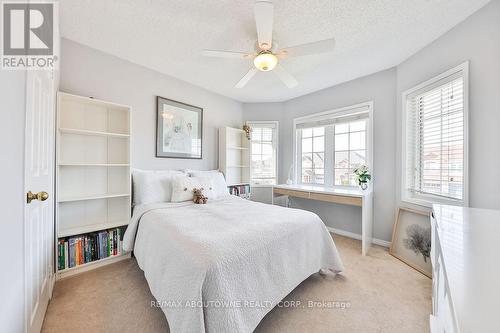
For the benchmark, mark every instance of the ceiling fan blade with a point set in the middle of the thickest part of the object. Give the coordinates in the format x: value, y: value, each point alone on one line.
x: 264, y: 11
x: 322, y: 46
x: 284, y: 76
x: 227, y: 54
x: 244, y: 80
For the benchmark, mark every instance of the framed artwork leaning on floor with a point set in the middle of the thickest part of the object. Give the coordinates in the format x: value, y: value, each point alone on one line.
x: 411, y: 239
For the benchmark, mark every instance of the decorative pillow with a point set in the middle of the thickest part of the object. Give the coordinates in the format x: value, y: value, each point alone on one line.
x: 182, y: 188
x: 153, y: 185
x: 220, y: 185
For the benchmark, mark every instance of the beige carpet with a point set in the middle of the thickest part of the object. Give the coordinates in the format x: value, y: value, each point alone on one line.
x: 381, y: 295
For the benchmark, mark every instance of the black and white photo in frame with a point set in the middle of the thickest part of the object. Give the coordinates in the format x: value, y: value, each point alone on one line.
x: 411, y: 239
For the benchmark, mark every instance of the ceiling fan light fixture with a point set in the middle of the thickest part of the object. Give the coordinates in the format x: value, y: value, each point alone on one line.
x: 265, y: 61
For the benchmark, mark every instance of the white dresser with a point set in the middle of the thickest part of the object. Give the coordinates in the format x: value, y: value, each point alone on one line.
x: 466, y: 270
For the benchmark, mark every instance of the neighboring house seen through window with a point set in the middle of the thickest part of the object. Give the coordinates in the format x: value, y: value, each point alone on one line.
x: 350, y: 150
x: 313, y: 155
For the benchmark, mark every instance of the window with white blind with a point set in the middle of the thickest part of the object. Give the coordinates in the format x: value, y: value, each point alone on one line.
x: 331, y: 145
x: 264, y: 152
x: 436, y: 147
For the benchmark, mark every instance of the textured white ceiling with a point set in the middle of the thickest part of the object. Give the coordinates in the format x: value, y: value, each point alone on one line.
x: 167, y: 36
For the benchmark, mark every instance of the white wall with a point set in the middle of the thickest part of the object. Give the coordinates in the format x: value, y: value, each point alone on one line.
x: 379, y: 88
x: 89, y: 72
x: 12, y: 106
x: 476, y: 39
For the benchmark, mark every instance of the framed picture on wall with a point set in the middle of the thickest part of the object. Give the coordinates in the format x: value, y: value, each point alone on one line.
x: 179, y: 129
x: 411, y: 239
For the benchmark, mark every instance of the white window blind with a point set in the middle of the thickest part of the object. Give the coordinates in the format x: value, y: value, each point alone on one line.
x: 435, y: 139
x: 352, y: 114
x: 264, y: 153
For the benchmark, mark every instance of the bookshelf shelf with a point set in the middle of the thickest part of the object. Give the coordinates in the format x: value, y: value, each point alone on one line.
x: 90, y: 265
x: 93, y: 133
x: 84, y: 100
x: 233, y: 129
x: 237, y: 148
x: 92, y: 165
x: 90, y: 228
x: 93, y: 179
x: 94, y: 197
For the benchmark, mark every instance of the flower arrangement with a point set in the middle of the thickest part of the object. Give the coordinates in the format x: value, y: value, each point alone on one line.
x: 248, y: 131
x: 363, y: 176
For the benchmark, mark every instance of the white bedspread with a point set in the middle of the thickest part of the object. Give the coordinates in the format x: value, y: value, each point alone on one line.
x: 222, y: 266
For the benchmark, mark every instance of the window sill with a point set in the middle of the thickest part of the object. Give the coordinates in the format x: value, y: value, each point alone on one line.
x: 427, y: 202
x: 344, y: 187
x: 261, y: 185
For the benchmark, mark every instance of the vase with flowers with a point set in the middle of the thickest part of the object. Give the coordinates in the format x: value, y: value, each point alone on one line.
x: 363, y: 176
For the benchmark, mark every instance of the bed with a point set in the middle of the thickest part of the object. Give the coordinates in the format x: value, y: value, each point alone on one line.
x: 220, y: 267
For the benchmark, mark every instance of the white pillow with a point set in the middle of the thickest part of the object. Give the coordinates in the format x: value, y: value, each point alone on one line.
x: 220, y: 185
x: 182, y: 188
x: 153, y: 185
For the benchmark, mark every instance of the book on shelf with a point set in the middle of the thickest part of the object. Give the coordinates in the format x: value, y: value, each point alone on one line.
x: 242, y: 191
x: 82, y: 249
x: 71, y: 253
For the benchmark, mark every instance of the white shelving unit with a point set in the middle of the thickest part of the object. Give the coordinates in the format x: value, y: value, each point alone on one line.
x: 93, y: 169
x: 234, y: 156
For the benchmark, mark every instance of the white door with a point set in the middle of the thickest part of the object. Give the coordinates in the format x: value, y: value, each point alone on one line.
x: 39, y: 188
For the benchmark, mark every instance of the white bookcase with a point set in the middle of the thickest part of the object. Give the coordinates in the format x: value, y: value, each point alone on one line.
x: 93, y: 169
x: 234, y: 156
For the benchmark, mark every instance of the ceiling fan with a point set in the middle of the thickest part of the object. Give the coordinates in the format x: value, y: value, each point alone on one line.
x: 267, y: 56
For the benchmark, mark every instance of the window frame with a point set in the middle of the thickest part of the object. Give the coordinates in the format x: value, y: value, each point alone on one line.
x: 348, y: 150
x: 312, y: 152
x: 427, y: 200
x: 276, y: 125
x: 329, y: 162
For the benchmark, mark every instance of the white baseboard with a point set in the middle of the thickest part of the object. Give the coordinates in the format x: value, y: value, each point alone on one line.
x: 358, y: 236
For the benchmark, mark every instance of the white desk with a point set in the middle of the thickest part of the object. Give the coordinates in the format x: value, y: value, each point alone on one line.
x: 353, y: 197
x: 466, y: 269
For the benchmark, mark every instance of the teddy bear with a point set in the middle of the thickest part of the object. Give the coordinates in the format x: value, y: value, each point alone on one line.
x: 198, y: 197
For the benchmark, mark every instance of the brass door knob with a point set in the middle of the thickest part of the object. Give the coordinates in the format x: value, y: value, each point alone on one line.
x: 41, y: 196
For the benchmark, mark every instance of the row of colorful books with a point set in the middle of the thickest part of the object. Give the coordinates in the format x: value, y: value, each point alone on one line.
x: 78, y: 250
x: 240, y: 190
